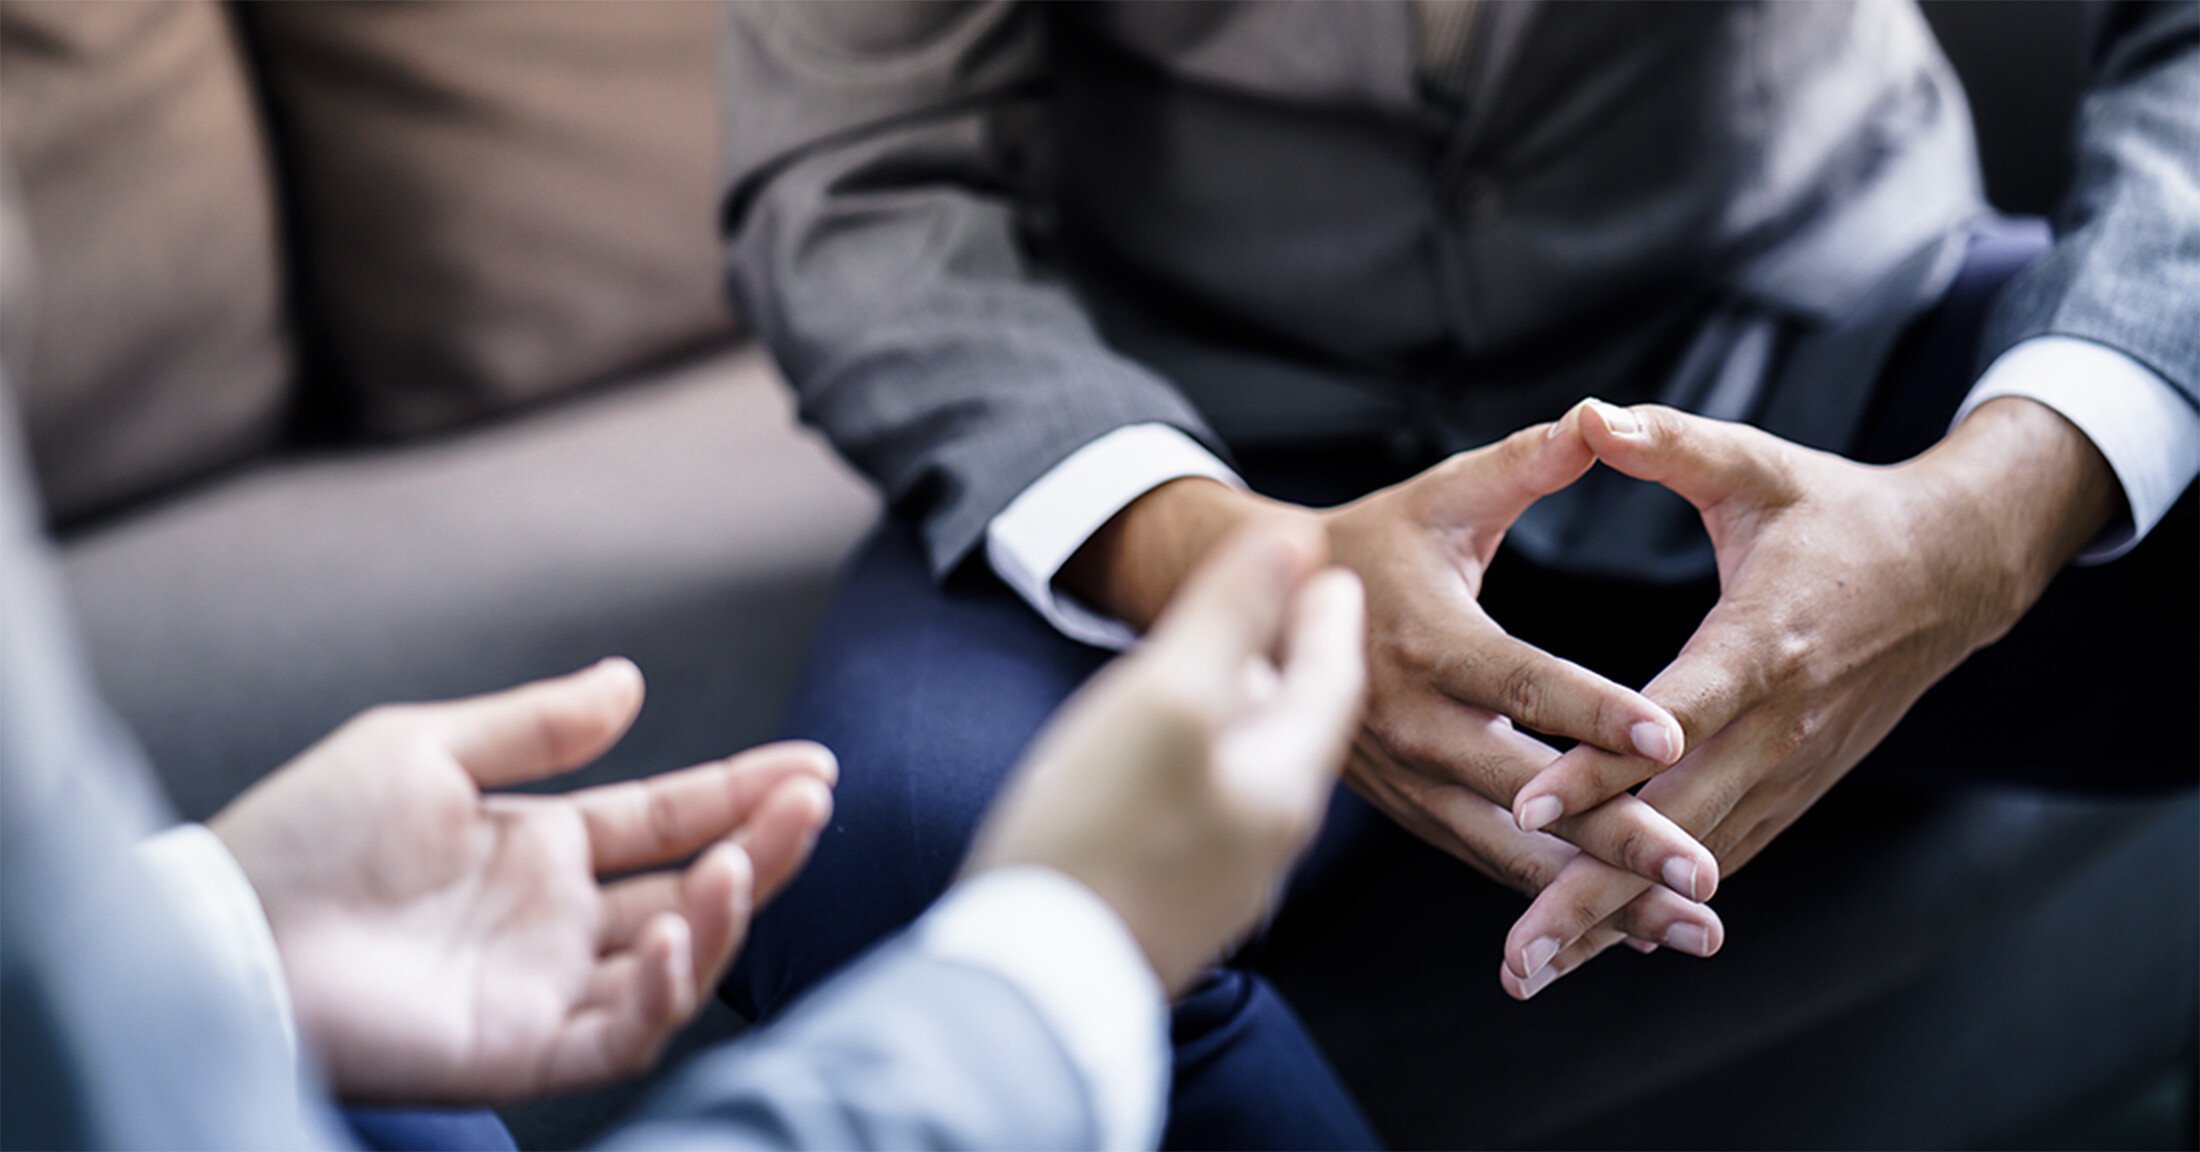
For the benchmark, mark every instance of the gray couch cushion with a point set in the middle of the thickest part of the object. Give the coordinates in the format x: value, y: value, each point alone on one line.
x: 684, y: 523
x: 156, y: 345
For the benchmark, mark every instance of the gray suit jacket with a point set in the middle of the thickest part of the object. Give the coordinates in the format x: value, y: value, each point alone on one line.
x: 980, y: 235
x: 119, y: 1033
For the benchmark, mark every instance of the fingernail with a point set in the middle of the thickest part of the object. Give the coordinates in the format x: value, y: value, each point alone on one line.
x: 1690, y: 938
x: 1537, y: 983
x: 1643, y: 946
x: 1618, y: 419
x: 1540, y: 811
x: 1539, y: 953
x: 1656, y: 740
x: 1679, y: 873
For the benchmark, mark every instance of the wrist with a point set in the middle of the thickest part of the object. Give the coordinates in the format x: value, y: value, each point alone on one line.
x: 2029, y: 487
x: 1131, y: 567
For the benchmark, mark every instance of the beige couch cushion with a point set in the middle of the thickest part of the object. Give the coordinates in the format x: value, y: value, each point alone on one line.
x: 156, y: 344
x: 497, y: 202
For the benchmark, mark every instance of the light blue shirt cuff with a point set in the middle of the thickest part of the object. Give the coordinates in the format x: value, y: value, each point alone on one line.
x: 215, y: 901
x: 2143, y: 426
x: 1069, y: 954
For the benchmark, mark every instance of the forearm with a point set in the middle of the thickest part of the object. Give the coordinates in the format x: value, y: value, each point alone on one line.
x: 2028, y: 489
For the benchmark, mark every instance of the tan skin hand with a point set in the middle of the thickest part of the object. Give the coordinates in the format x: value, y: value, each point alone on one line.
x: 1181, y: 783
x: 1846, y: 591
x: 447, y: 946
x: 1446, y: 743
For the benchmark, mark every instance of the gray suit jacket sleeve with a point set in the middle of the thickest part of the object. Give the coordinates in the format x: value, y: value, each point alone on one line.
x: 119, y: 1032
x: 904, y: 1051
x: 878, y: 191
x: 2125, y: 269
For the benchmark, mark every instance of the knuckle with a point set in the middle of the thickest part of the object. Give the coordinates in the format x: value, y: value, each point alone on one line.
x: 1403, y: 740
x: 1790, y: 737
x: 1580, y: 911
x: 1523, y: 871
x: 663, y: 814
x: 1523, y: 696
x: 1659, y: 423
x: 1632, y: 847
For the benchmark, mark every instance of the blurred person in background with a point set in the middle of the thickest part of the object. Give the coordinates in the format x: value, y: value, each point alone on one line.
x: 1086, y: 288
x: 374, y: 911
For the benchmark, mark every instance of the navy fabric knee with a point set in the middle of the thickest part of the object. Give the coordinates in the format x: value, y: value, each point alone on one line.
x: 429, y: 1130
x: 928, y: 695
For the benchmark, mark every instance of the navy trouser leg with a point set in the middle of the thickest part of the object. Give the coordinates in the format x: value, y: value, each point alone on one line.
x: 429, y: 1130
x: 928, y: 696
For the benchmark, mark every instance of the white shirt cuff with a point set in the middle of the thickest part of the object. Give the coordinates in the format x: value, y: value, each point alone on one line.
x: 1071, y: 956
x: 2143, y: 426
x: 215, y: 900
x: 1047, y: 523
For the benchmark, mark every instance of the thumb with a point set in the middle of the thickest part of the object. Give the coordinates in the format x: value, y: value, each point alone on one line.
x: 1233, y: 607
x: 1494, y: 484
x: 544, y: 728
x: 1704, y: 461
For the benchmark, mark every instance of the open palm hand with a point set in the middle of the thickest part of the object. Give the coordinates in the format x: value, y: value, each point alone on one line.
x: 447, y: 946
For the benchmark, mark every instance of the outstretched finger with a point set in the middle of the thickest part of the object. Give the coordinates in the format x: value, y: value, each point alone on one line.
x: 716, y: 895
x: 1557, y: 697
x: 544, y: 728
x: 1586, y: 893
x: 634, y: 1002
x: 779, y: 837
x: 1633, y: 836
x: 659, y: 819
x: 1715, y: 679
x: 1580, y: 952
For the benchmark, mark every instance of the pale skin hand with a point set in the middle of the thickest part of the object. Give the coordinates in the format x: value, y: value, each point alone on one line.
x: 1439, y: 750
x: 443, y: 946
x: 1182, y: 782
x: 1846, y: 590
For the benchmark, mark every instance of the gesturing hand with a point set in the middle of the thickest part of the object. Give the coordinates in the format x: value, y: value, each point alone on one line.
x: 443, y: 946
x: 1181, y: 783
x: 1846, y: 591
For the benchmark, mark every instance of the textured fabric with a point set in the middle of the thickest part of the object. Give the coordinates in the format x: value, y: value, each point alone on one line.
x: 902, y: 1051
x: 496, y: 203
x: 426, y: 1130
x: 2125, y: 270
x: 683, y: 522
x: 1252, y: 205
x: 928, y: 697
x: 1045, y: 525
x: 154, y: 340
x: 120, y: 1032
x: 2140, y: 422
x: 929, y: 693
x: 196, y: 875
x: 1073, y: 959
